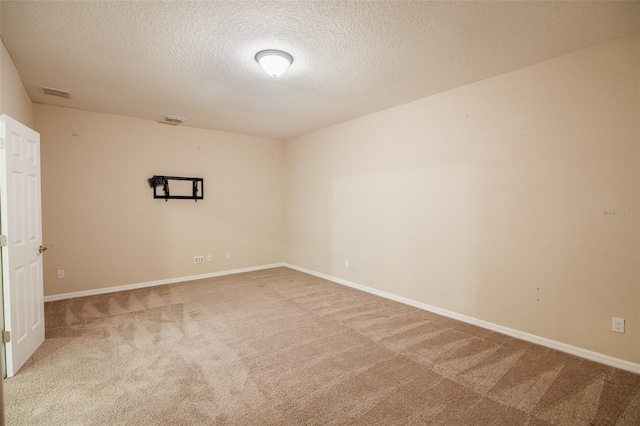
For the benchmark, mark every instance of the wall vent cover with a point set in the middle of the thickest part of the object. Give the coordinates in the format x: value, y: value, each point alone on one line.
x: 56, y: 92
x: 171, y: 119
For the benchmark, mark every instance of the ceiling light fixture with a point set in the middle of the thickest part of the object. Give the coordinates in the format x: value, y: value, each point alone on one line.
x: 274, y: 62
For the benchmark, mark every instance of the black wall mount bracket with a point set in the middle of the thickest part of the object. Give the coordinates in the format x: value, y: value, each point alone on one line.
x: 197, y: 188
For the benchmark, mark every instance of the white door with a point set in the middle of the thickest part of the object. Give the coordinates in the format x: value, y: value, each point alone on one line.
x: 21, y: 222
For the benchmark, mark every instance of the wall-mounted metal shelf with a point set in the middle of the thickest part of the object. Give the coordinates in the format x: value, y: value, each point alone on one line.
x: 196, y: 188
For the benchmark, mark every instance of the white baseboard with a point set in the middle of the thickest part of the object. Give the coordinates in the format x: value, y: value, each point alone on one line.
x: 105, y: 290
x: 563, y: 347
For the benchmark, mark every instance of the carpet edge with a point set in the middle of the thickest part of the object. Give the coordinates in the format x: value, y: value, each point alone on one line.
x: 134, y: 286
x: 553, y: 344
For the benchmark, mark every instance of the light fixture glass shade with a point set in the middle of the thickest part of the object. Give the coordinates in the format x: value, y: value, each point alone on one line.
x: 274, y: 62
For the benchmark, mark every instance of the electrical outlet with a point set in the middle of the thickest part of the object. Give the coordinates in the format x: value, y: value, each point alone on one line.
x: 198, y: 259
x: 228, y: 256
x: 346, y: 263
x: 60, y: 274
x: 209, y: 258
x: 618, y: 325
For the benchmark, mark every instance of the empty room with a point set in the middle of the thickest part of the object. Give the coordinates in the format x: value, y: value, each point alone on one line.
x: 320, y: 212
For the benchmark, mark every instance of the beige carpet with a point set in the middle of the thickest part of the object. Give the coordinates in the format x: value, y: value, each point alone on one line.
x: 278, y: 347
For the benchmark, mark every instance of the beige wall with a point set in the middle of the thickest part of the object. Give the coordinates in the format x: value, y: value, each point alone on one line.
x: 14, y: 100
x: 488, y: 200
x: 104, y: 228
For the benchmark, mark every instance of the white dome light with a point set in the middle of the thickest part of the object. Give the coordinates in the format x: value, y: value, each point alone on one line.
x: 274, y: 62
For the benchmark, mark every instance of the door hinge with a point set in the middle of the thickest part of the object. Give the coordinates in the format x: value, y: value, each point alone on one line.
x: 3, y: 143
x: 3, y: 240
x: 6, y: 336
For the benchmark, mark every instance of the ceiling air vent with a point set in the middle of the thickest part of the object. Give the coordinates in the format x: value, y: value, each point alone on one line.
x: 170, y: 119
x: 56, y: 92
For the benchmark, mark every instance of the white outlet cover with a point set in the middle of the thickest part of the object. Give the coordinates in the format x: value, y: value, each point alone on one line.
x: 209, y: 258
x: 618, y: 325
x: 60, y: 274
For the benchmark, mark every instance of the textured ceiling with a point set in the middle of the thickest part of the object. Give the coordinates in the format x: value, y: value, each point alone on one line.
x: 196, y: 59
